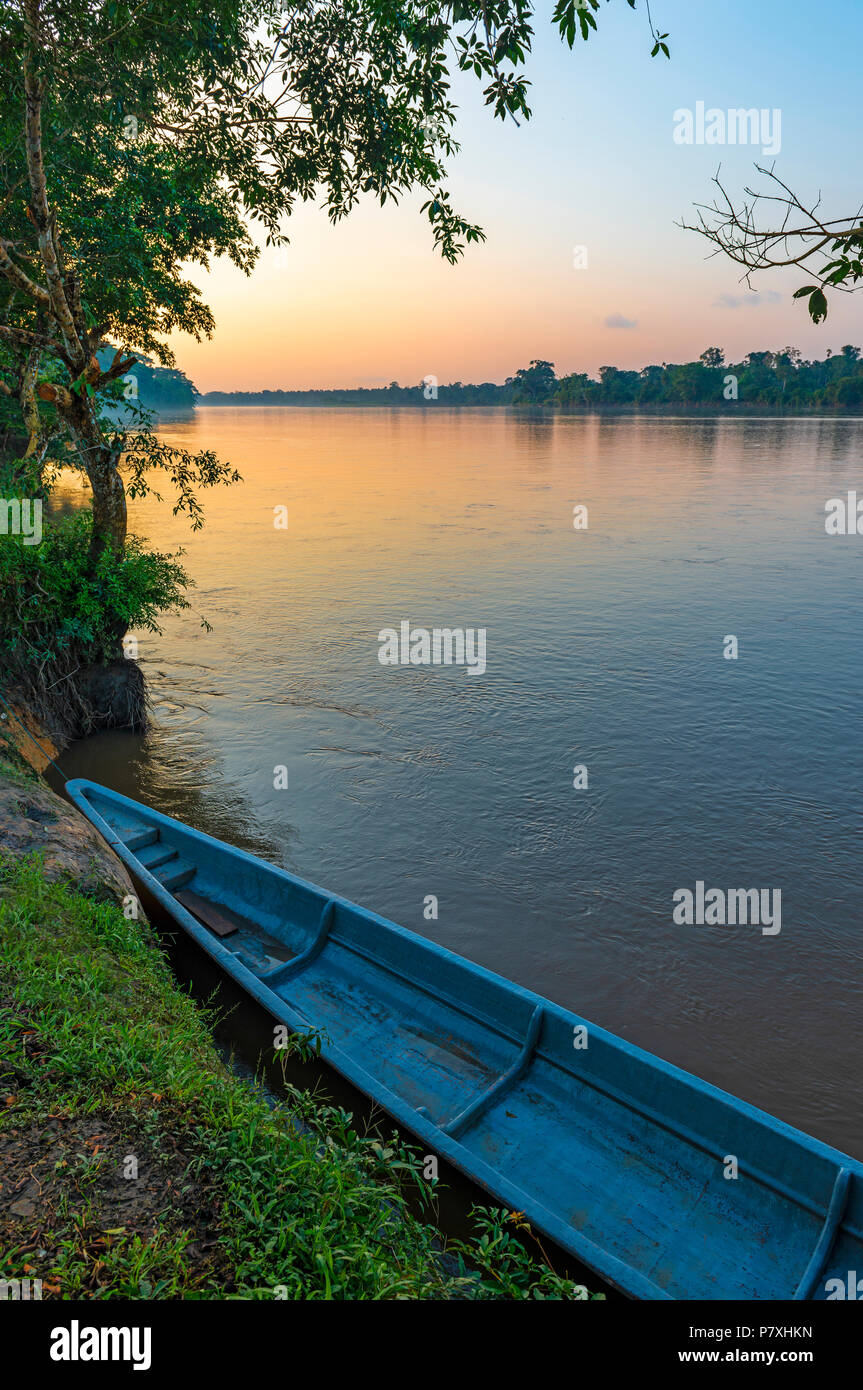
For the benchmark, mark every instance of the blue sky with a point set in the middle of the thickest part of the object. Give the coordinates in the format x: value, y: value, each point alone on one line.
x: 597, y: 166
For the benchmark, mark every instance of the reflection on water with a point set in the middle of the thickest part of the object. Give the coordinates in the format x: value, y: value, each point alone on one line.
x: 604, y: 649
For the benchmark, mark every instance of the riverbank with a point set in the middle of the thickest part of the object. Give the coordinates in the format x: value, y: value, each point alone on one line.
x: 135, y: 1164
x: 33, y: 820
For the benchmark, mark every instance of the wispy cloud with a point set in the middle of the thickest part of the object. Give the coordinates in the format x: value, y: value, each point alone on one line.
x: 620, y: 321
x: 746, y: 301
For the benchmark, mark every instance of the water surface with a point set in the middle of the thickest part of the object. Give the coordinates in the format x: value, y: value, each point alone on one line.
x: 605, y: 648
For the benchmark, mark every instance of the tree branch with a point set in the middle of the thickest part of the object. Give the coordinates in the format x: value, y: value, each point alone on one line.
x: 21, y: 280
x: 795, y: 234
x: 42, y: 217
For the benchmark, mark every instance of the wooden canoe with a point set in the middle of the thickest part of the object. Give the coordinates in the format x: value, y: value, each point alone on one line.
x: 618, y: 1156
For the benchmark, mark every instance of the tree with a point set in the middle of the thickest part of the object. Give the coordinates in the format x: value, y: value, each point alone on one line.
x: 533, y: 385
x: 846, y: 393
x: 96, y: 251
x: 692, y: 382
x: 574, y: 390
x: 233, y: 113
x: 618, y: 387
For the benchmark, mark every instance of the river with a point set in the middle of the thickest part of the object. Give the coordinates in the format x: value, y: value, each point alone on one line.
x: 605, y: 650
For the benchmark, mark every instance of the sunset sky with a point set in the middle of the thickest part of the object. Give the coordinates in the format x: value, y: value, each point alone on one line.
x: 370, y: 301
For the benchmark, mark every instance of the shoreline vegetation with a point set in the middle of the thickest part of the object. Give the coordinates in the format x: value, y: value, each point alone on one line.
x: 768, y: 383
x: 134, y: 1163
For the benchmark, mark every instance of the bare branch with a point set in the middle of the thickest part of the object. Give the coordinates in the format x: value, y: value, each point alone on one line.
x: 792, y: 234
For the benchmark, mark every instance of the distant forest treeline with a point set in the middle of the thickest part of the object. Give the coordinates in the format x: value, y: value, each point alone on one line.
x: 780, y: 381
x: 154, y: 388
x: 164, y: 388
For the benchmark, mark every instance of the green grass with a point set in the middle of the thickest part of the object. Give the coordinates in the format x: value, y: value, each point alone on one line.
x: 105, y: 1063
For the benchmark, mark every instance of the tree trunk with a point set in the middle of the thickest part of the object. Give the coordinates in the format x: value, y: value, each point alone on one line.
x: 29, y: 405
x: 100, y: 462
x: 78, y: 412
x: 109, y: 506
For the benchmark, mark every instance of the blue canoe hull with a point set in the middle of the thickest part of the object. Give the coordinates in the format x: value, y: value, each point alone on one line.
x: 618, y: 1156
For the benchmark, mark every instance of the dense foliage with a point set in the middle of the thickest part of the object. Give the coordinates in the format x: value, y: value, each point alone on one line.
x: 781, y: 380
x: 58, y: 612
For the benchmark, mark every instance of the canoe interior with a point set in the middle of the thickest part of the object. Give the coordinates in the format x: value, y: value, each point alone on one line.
x: 617, y: 1155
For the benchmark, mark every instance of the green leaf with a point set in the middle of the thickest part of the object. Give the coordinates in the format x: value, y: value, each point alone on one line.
x: 818, y: 306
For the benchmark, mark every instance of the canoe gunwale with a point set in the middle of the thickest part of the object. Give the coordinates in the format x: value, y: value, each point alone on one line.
x: 444, y: 1139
